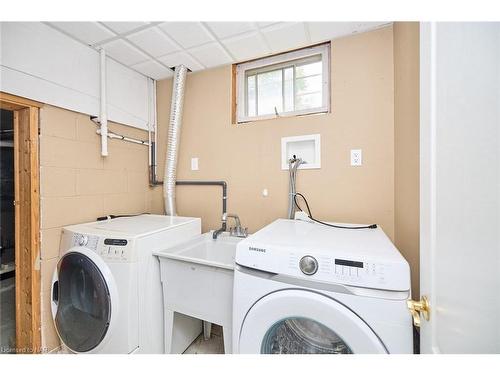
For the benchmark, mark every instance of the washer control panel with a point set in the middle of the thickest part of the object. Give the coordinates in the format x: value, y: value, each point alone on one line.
x: 340, y: 270
x: 110, y: 249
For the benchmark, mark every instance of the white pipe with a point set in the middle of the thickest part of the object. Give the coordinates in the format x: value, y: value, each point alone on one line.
x: 124, y: 138
x: 155, y: 114
x: 103, y: 117
x: 150, y: 117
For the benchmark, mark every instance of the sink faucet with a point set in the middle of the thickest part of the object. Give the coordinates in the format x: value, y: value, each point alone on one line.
x: 237, y: 231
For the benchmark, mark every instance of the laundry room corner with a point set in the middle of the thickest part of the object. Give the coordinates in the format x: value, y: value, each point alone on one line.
x: 78, y: 185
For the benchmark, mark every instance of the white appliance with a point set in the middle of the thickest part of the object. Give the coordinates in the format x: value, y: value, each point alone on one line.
x: 106, y: 294
x: 303, y: 287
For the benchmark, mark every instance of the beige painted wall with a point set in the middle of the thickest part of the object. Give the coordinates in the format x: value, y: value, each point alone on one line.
x: 248, y: 156
x: 78, y: 185
x: 406, y: 144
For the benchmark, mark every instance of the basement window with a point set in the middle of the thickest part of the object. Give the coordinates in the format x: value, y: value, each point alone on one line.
x: 289, y: 84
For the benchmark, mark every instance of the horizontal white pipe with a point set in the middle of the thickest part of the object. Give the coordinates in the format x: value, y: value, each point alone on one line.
x: 111, y: 135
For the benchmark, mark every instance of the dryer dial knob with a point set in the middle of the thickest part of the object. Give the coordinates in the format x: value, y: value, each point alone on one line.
x: 308, y: 265
x: 83, y: 240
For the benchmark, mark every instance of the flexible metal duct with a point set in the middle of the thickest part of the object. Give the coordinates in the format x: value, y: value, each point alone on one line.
x: 174, y: 133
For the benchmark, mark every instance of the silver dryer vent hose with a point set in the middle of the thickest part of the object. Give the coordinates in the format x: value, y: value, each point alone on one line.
x: 174, y: 133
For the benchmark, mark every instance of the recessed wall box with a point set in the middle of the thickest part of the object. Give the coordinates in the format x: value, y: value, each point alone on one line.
x: 305, y: 147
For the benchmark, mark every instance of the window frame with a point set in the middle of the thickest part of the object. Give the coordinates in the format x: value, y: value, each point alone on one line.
x: 276, y: 62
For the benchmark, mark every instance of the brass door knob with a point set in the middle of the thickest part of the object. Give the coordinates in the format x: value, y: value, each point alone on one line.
x: 417, y: 307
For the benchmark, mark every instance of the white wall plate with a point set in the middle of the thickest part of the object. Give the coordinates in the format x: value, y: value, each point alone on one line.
x: 306, y: 147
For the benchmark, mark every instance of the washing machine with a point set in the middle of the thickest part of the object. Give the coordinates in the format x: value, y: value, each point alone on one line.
x: 303, y: 287
x: 106, y: 293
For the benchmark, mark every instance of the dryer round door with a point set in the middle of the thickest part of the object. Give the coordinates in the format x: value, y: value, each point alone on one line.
x: 84, y: 298
x: 296, y: 321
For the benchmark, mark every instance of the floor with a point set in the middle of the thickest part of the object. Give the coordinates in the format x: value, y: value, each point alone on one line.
x: 215, y: 345
x: 7, y: 315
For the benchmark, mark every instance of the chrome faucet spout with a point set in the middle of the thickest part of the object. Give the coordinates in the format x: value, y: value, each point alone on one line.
x: 217, y: 232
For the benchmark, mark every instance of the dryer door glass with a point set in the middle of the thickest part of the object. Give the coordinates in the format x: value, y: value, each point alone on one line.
x: 84, y: 308
x: 302, y: 336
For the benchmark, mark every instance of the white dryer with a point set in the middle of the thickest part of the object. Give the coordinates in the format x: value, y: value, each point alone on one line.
x: 106, y: 293
x: 302, y: 287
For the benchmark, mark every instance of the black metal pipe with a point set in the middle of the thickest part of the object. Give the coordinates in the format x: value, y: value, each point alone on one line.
x: 223, y: 184
x: 153, y: 167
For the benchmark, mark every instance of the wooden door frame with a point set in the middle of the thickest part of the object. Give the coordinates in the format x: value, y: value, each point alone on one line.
x: 27, y: 221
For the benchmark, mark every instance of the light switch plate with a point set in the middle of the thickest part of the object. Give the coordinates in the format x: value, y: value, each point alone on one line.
x: 356, y: 158
x: 194, y: 164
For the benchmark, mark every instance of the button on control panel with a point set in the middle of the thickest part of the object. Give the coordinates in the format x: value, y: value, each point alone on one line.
x: 116, y: 249
x: 80, y: 239
x: 308, y: 265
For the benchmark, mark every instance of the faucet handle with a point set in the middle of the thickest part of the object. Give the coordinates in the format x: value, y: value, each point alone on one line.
x: 238, y: 231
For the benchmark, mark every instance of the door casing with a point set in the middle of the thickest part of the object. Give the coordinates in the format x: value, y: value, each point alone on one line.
x: 27, y: 221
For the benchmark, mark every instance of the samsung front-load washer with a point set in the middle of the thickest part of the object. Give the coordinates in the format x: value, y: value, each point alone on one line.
x: 106, y: 293
x: 303, y: 287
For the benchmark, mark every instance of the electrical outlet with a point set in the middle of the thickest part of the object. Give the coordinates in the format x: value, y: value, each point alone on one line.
x: 194, y: 164
x: 356, y: 158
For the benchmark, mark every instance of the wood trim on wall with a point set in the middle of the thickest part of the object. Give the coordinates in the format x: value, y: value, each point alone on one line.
x: 12, y: 102
x: 234, y: 96
x: 27, y: 221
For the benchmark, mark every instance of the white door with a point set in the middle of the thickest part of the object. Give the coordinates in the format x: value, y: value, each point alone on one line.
x: 297, y: 321
x: 460, y: 192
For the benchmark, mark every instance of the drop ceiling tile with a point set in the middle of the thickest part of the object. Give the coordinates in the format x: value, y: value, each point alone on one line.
x: 179, y: 58
x: 153, y: 41
x: 323, y: 31
x: 227, y: 29
x: 285, y: 36
x: 187, y: 34
x: 124, y: 52
x: 153, y: 69
x: 211, y: 55
x: 124, y: 27
x: 247, y: 46
x: 88, y: 32
x: 265, y: 24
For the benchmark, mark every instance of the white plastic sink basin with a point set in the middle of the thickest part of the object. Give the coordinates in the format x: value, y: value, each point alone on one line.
x: 197, y: 280
x: 205, y: 250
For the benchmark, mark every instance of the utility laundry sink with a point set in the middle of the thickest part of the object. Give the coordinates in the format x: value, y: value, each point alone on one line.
x: 197, y: 280
x: 205, y: 250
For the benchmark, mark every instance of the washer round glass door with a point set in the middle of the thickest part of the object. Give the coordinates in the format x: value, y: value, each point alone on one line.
x: 296, y: 321
x: 83, y: 303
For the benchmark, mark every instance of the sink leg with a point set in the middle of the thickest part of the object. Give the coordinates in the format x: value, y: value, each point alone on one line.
x: 207, y: 330
x: 227, y: 334
x: 169, y: 330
